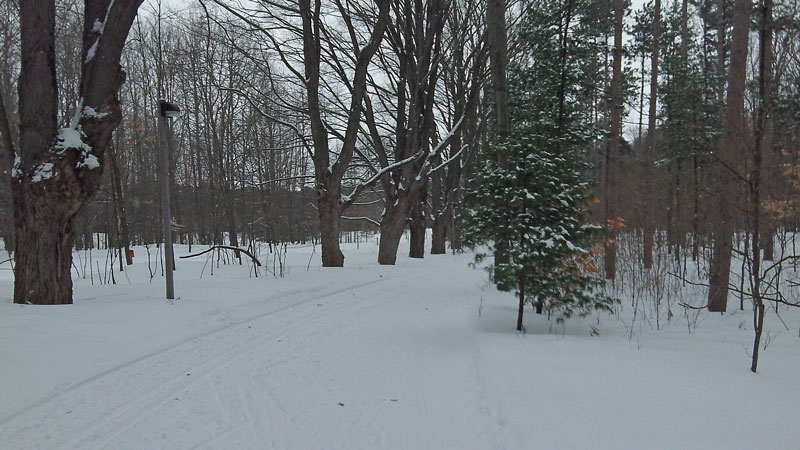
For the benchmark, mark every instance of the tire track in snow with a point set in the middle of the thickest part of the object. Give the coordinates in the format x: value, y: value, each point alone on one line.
x: 140, y: 400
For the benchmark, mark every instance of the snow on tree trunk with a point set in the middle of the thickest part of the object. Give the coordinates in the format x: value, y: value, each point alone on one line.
x: 58, y: 170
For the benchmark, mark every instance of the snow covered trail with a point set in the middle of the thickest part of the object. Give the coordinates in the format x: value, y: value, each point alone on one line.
x: 326, y: 371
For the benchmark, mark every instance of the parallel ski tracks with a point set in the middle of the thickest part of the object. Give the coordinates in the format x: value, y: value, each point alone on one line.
x: 155, y: 378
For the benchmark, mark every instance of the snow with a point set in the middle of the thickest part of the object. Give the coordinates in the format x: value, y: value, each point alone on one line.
x: 89, y: 161
x: 88, y: 111
x: 414, y: 356
x: 71, y: 137
x: 98, y: 27
x: 43, y: 172
x: 15, y: 170
x: 92, y: 50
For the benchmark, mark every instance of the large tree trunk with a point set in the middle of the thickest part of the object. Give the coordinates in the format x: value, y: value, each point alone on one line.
x: 393, y: 223
x: 392, y: 227
x: 417, y: 227
x: 332, y: 255
x: 44, y: 220
x: 439, y: 234
x: 328, y: 205
x: 729, y: 150
x: 59, y: 170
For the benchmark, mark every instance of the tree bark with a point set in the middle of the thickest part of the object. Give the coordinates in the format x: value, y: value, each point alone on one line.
x: 329, y: 213
x: 119, y: 206
x: 612, y: 155
x: 497, y: 38
x: 393, y: 224
x: 7, y: 154
x: 439, y: 232
x: 59, y: 170
x: 729, y: 150
x: 417, y: 227
x: 649, y: 224
x: 44, y: 223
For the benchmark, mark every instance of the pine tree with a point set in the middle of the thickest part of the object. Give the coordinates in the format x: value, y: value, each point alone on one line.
x: 535, y: 204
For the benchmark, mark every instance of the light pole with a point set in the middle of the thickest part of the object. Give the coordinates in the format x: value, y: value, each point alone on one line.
x: 166, y: 111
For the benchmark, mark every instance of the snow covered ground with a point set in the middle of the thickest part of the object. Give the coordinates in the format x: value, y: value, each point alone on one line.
x: 422, y: 355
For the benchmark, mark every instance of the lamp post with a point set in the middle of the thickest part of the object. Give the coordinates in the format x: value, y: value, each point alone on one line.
x: 166, y: 111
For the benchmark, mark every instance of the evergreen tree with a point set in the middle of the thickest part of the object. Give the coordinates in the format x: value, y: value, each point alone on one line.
x: 535, y: 204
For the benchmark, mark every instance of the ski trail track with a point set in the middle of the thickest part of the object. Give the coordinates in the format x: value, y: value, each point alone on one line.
x: 326, y: 371
x: 154, y: 378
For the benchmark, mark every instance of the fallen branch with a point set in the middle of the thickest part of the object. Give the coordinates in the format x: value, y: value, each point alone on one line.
x: 255, y: 260
x: 688, y: 306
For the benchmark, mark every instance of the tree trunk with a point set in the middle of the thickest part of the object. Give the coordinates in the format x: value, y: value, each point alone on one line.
x: 44, y: 221
x: 720, y: 271
x: 497, y: 39
x: 614, y: 144
x: 417, y: 227
x: 60, y: 169
x: 119, y: 206
x: 729, y: 150
x: 439, y: 232
x: 7, y: 153
x: 649, y: 222
x: 327, y: 203
x: 393, y: 223
x: 456, y: 237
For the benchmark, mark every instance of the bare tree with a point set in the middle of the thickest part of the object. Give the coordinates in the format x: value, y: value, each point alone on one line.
x: 462, y: 68
x: 402, y: 120
x: 58, y: 169
x: 310, y: 46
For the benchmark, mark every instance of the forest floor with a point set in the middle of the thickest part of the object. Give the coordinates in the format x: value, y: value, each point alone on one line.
x: 421, y: 355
